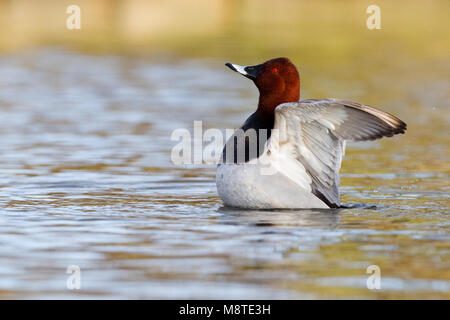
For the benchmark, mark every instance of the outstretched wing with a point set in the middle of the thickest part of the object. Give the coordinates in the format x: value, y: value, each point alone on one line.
x: 317, y: 129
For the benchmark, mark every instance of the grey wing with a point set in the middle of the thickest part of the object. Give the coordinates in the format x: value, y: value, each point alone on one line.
x: 319, y: 128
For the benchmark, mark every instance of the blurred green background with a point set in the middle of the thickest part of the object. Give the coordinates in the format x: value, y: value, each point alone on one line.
x: 326, y: 31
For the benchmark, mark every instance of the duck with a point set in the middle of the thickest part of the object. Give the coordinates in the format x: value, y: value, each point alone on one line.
x: 288, y: 153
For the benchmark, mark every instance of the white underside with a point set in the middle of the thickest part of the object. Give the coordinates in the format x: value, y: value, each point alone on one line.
x: 271, y: 183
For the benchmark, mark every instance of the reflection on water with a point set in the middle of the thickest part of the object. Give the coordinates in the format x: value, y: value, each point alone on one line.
x: 86, y: 179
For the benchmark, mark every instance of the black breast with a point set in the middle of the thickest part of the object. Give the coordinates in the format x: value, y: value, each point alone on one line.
x: 248, y: 142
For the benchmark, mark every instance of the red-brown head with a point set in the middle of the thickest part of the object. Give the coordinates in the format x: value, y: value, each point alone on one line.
x: 277, y: 81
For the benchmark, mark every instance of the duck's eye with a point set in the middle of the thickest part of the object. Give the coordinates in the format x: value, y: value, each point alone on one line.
x: 274, y: 70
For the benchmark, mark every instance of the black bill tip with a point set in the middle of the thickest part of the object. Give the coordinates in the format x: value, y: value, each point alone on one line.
x: 229, y: 65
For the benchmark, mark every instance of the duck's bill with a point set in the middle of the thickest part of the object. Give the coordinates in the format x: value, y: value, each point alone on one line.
x: 250, y: 72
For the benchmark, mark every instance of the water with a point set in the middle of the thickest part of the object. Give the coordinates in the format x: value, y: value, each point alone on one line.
x: 86, y: 179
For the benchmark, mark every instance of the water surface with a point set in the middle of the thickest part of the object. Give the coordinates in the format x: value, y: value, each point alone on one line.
x: 86, y: 179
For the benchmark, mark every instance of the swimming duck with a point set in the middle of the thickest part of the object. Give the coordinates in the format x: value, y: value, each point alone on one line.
x: 288, y: 153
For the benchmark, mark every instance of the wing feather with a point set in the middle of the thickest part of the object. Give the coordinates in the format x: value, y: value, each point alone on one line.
x: 318, y: 128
